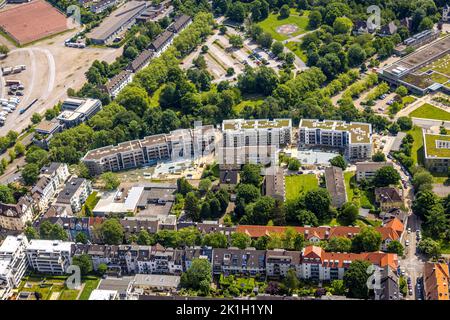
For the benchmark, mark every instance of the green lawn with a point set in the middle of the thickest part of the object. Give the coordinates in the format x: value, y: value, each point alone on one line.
x: 364, y: 198
x: 154, y: 100
x: 298, y: 184
x: 271, y: 24
x: 408, y: 100
x: 252, y: 102
x: 429, y: 111
x: 295, y: 48
x: 90, y: 284
x: 417, y: 148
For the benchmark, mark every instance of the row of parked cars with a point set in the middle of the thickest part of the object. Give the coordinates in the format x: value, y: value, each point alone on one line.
x: 7, y: 106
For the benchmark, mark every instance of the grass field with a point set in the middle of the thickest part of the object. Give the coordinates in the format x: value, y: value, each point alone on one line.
x: 429, y: 111
x: 417, y: 148
x: 408, y: 100
x: 364, y: 198
x: 271, y: 24
x: 299, y: 184
x: 89, y: 285
x: 295, y: 48
x: 252, y: 102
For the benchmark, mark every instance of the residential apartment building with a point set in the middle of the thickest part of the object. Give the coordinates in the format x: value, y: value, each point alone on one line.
x: 49, y: 256
x: 250, y: 262
x: 437, y: 152
x: 355, y: 138
x: 52, y: 177
x: 161, y: 43
x: 389, y: 198
x: 253, y: 141
x: 141, y: 61
x: 389, y: 285
x: 178, y: 144
x: 15, y: 216
x: 436, y: 281
x: 391, y: 230
x: 75, y: 193
x: 13, y: 264
x: 280, y: 261
x: 334, y: 180
x: 117, y: 83
x: 180, y: 23
x: 367, y: 170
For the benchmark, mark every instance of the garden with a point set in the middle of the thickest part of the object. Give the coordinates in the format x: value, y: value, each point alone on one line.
x: 273, y: 23
x: 300, y: 184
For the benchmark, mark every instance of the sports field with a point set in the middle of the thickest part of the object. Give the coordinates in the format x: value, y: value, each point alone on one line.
x: 32, y: 21
x: 273, y: 23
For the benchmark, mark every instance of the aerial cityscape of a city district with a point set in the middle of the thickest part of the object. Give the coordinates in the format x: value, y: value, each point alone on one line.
x: 241, y: 153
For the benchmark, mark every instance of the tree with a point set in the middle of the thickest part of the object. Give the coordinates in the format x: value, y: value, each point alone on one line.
x: 405, y: 123
x: 378, y: 157
x: 36, y: 118
x: 339, y: 161
x: 430, y: 247
x: 339, y: 244
x: 197, y: 276
x: 306, y: 217
x: 367, y: 240
x: 204, y: 185
x: 426, y: 24
x: 84, y: 262
x: 285, y: 11
x: 386, y: 176
x: 291, y: 281
x: 356, y: 55
x: 401, y: 91
x: 19, y: 149
x: 110, y: 180
x: 349, y: 213
x: 51, y: 231
x: 315, y: 19
x: 294, y: 164
x: 191, y: 207
x: 424, y: 202
x: 4, y: 49
x: 102, y: 269
x: 338, y: 287
x: 31, y: 233
x: 395, y: 247
x: 236, y: 41
x: 262, y: 210
x: 342, y: 25
x: 112, y: 232
x: 237, y: 12
x: 6, y: 194
x: 30, y: 173
x: 240, y: 240
x: 355, y: 279
x: 251, y: 174
x: 277, y: 48
x: 318, y: 201
x: 183, y: 186
x: 81, y: 238
x: 422, y: 180
x: 144, y: 238
x: 215, y: 240
x: 37, y: 156
x: 265, y: 40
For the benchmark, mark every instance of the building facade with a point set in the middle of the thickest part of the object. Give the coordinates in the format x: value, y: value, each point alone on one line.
x: 52, y: 177
x: 367, y: 170
x: 355, y: 138
x: 15, y: 216
x: 75, y: 193
x: 437, y: 152
x: 49, y: 256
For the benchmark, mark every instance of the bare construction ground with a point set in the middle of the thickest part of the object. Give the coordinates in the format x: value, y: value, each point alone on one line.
x: 51, y: 68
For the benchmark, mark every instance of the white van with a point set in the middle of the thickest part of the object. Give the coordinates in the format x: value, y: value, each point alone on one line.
x: 7, y: 109
x: 11, y: 106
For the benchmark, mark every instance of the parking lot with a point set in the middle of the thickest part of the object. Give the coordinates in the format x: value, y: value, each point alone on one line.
x: 51, y: 68
x: 221, y: 56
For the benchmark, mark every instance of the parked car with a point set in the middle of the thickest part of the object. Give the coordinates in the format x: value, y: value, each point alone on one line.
x: 407, y: 243
x: 19, y: 93
x: 409, y: 229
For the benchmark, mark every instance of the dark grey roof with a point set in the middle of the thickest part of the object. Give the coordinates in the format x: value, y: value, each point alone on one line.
x: 70, y: 189
x: 229, y: 176
x: 161, y: 40
x: 140, y: 60
x: 334, y: 179
x: 179, y: 23
x: 118, y: 79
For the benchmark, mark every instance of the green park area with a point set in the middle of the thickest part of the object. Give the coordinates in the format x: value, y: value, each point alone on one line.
x: 428, y: 111
x: 299, y: 184
x: 251, y: 102
x: 274, y: 22
x: 295, y: 48
x: 54, y: 288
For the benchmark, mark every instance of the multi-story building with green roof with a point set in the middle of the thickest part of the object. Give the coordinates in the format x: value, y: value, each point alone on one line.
x: 355, y: 138
x: 437, y: 152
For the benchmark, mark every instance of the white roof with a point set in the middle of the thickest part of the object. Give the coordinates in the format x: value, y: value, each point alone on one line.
x: 11, y: 244
x: 50, y: 245
x: 107, y: 203
x: 99, y: 294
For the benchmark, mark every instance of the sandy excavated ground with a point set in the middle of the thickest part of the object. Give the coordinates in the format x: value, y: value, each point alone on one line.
x: 51, y: 69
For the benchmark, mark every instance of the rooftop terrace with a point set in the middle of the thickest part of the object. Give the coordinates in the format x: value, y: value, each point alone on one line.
x: 359, y: 132
x: 242, y: 124
x: 436, y: 145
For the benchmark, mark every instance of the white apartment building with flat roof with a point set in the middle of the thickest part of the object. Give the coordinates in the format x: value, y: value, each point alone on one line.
x: 355, y: 138
x: 253, y: 141
x: 13, y: 264
x: 49, y: 256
